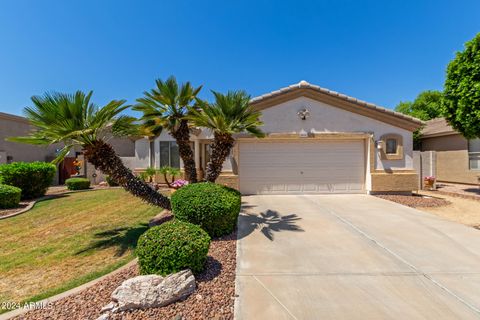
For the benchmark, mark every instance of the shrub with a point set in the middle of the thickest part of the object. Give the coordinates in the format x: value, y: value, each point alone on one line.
x: 9, y: 196
x: 33, y: 178
x: 111, y: 182
x: 77, y: 183
x: 213, y: 207
x: 171, y: 247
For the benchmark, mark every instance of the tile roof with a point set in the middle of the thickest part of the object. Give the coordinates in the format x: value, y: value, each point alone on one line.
x: 305, y: 85
x: 437, y: 127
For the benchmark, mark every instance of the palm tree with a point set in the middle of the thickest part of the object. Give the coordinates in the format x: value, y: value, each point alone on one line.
x: 228, y: 115
x: 72, y: 120
x: 166, y: 107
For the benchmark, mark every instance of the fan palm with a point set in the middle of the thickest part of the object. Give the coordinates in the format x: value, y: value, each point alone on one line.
x: 229, y: 114
x: 166, y: 107
x: 71, y: 119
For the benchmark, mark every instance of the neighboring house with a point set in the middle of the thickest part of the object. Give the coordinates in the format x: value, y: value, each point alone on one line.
x: 318, y: 141
x: 12, y: 126
x: 457, y: 159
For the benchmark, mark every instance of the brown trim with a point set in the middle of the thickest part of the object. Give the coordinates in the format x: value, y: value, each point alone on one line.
x: 376, y: 113
x: 440, y: 134
x: 311, y: 136
x: 12, y: 117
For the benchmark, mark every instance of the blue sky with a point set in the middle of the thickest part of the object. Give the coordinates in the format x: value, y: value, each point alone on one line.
x: 379, y: 51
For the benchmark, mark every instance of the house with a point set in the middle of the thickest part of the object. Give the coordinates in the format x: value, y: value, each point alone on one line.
x: 456, y: 158
x: 13, y: 126
x: 318, y: 141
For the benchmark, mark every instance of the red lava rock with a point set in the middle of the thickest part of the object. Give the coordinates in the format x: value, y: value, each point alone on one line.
x: 215, y: 285
x: 415, y: 201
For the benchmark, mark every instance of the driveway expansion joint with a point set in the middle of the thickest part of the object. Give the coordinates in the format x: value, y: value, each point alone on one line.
x: 396, y: 255
x: 274, y: 297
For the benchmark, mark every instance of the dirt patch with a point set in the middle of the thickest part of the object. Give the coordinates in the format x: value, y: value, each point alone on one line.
x: 416, y: 201
x: 462, y: 210
x: 213, y: 299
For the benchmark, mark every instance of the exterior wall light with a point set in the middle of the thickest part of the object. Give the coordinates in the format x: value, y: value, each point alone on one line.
x: 379, y: 144
x: 303, y: 114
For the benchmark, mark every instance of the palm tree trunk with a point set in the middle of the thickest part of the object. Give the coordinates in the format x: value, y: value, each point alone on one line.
x: 221, y: 147
x: 182, y: 136
x: 104, y: 158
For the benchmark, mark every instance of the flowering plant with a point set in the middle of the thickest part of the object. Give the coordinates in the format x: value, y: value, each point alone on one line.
x: 177, y: 184
x: 77, y: 165
x: 429, y: 179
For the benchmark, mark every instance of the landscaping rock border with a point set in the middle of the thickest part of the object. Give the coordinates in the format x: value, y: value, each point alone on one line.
x: 213, y: 299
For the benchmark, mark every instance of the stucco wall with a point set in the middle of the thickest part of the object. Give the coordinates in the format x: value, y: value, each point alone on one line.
x: 326, y: 118
x: 445, y: 143
x: 18, y: 126
x: 452, y: 166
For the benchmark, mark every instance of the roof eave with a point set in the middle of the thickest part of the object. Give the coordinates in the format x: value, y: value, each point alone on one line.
x: 338, y: 100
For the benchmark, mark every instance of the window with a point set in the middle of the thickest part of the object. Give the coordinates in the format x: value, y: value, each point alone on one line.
x: 474, y: 154
x: 391, y: 146
x: 169, y: 155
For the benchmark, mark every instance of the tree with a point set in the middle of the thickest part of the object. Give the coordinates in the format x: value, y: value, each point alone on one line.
x: 166, y: 107
x: 461, y: 106
x: 228, y: 115
x: 72, y: 120
x: 427, y: 105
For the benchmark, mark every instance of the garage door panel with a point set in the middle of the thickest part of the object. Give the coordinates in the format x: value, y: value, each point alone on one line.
x: 313, y: 167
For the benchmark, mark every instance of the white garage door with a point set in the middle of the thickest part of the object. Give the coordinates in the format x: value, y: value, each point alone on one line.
x: 302, y: 167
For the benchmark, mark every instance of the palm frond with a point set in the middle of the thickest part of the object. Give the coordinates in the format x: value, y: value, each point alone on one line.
x: 166, y: 105
x: 229, y: 114
x: 69, y: 118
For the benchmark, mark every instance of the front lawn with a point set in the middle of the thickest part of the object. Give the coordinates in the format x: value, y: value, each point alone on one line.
x: 69, y: 240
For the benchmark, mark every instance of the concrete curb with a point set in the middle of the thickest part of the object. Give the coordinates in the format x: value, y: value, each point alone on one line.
x: 18, y: 312
x: 27, y: 208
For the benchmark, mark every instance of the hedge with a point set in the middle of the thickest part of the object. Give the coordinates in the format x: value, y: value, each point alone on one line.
x: 77, y: 183
x: 213, y: 207
x: 9, y: 196
x: 33, y: 178
x: 171, y: 247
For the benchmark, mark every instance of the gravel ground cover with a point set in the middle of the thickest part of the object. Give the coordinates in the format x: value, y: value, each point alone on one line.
x: 213, y: 298
x: 415, y: 201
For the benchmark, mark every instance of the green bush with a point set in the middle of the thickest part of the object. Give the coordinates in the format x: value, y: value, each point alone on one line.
x: 111, y: 182
x: 77, y: 183
x: 213, y: 207
x: 33, y: 178
x: 9, y: 196
x: 171, y: 247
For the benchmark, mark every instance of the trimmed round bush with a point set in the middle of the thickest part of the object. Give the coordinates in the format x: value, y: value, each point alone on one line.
x: 171, y: 247
x: 213, y: 207
x: 33, y: 178
x: 9, y: 196
x: 111, y: 182
x: 77, y: 183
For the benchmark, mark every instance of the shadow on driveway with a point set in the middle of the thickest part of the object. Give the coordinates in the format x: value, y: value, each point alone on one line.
x: 269, y: 221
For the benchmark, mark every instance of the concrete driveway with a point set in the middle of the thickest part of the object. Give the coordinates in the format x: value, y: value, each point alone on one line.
x: 353, y: 257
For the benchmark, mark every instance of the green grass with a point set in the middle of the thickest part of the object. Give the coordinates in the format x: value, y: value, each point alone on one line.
x: 67, y: 241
